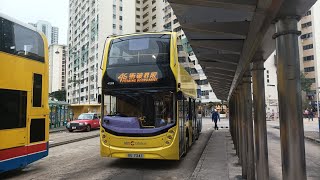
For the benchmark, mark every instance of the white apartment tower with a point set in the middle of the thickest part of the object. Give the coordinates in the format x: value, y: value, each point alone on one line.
x: 51, y: 32
x: 58, y: 55
x: 90, y: 23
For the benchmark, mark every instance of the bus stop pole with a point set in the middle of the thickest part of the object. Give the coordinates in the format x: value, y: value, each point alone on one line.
x: 289, y: 93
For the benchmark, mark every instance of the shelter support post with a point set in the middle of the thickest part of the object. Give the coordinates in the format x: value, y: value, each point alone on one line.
x: 289, y: 93
x: 260, y: 129
x: 243, y: 131
x: 249, y: 125
x: 239, y: 126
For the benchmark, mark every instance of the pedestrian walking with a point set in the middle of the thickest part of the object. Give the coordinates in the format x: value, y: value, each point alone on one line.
x: 310, y: 115
x: 215, y: 117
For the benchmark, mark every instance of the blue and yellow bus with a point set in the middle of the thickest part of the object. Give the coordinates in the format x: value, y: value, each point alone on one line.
x: 24, y: 122
x: 155, y: 114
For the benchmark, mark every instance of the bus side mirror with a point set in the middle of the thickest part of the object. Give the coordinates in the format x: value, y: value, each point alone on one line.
x: 179, y: 95
x: 99, y: 98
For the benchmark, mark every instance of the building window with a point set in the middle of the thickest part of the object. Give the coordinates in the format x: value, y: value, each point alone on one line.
x: 154, y: 17
x: 114, y: 16
x: 120, y: 18
x: 268, y: 81
x: 154, y: 9
x: 145, y: 15
x: 306, y: 36
x: 175, y: 21
x: 308, y: 69
x: 137, y: 23
x: 146, y: 29
x: 145, y: 8
x: 309, y: 46
x: 137, y: 9
x: 120, y: 8
x: 177, y: 29
x: 120, y: 27
x: 154, y: 25
x: 146, y: 22
x: 308, y: 58
x: 114, y: 26
x: 305, y: 25
x: 308, y: 13
x: 313, y: 80
x: 137, y: 16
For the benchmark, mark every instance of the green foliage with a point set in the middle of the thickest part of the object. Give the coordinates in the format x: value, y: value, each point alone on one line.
x: 59, y: 95
x: 305, y: 83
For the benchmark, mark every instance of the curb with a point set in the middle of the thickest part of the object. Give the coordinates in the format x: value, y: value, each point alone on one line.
x: 196, y: 171
x: 306, y: 137
x: 56, y: 131
x: 312, y: 139
x: 73, y: 140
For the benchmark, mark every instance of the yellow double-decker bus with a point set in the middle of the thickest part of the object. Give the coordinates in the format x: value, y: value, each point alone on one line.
x: 155, y: 114
x: 24, y: 110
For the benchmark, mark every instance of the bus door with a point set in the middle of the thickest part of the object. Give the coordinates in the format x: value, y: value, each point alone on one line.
x: 181, y: 121
x: 194, y: 119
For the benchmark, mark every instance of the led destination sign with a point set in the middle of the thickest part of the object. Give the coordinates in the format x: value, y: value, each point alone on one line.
x: 137, y: 77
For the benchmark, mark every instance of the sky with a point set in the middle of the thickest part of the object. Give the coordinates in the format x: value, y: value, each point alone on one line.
x: 53, y: 11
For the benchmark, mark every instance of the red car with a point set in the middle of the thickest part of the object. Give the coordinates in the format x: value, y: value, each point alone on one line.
x: 85, y: 122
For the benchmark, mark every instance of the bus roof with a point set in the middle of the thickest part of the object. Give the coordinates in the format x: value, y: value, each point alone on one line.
x: 138, y: 34
x: 19, y: 22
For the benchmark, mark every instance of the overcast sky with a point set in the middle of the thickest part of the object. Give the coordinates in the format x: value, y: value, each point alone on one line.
x: 54, y: 11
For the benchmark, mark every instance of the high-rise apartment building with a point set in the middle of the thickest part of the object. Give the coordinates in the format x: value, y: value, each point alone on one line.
x: 58, y: 55
x: 51, y: 32
x: 271, y: 89
x: 310, y: 48
x: 90, y: 23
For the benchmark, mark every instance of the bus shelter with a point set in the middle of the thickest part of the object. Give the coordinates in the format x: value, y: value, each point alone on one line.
x: 60, y: 113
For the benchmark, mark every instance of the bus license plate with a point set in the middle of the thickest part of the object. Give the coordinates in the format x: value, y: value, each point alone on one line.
x: 135, y: 155
x: 73, y: 127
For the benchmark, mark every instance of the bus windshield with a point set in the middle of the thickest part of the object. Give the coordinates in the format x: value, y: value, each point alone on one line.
x: 140, y: 49
x: 153, y: 110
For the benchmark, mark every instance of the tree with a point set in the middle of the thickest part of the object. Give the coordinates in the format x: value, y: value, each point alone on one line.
x: 305, y: 83
x: 59, y: 95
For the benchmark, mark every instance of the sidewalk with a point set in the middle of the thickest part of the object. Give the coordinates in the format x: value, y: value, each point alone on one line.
x: 218, y: 160
x: 311, y: 131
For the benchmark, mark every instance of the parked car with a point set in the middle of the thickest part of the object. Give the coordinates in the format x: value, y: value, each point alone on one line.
x: 85, y: 122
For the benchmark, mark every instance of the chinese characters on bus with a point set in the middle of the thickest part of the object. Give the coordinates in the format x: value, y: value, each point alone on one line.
x: 138, y: 77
